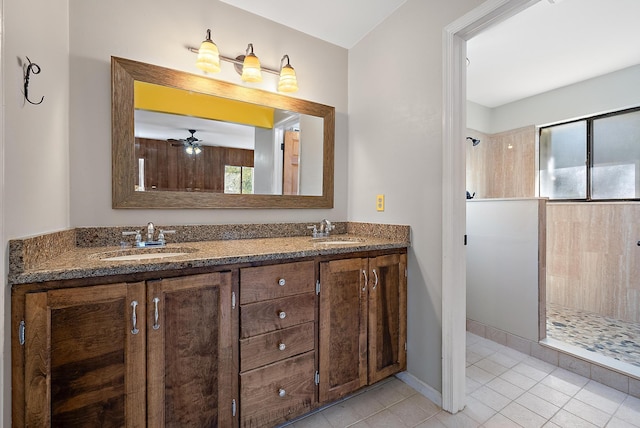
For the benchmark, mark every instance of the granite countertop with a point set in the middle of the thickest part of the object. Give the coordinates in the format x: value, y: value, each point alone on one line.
x: 85, y: 262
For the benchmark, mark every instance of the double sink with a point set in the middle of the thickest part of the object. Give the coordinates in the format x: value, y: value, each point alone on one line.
x: 150, y: 253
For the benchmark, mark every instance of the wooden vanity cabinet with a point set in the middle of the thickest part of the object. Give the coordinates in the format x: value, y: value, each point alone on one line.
x: 362, y: 322
x: 102, y: 355
x: 277, y: 343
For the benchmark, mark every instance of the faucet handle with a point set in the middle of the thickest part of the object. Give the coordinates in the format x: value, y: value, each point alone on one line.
x: 137, y: 233
x: 162, y: 233
x: 314, y: 232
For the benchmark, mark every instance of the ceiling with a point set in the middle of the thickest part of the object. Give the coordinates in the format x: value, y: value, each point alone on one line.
x: 551, y: 44
x: 341, y: 22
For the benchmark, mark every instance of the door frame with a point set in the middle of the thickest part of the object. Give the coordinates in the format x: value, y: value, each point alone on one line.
x: 455, y: 38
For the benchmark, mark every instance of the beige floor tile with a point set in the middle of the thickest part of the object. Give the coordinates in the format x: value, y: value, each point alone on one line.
x: 565, y: 419
x: 505, y: 388
x: 538, y: 405
x: 518, y: 379
x: 341, y: 415
x: 523, y: 416
x: 492, y: 367
x: 478, y: 411
x: 385, y: 419
x: 365, y: 404
x: 491, y: 398
x: 587, y: 412
x: 601, y: 397
x: 316, y: 420
x: 549, y: 394
x: 459, y: 420
x: 629, y: 411
x: 500, y: 421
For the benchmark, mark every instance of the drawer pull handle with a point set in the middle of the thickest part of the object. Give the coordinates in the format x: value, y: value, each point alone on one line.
x: 155, y: 314
x: 281, y: 282
x: 282, y: 347
x: 375, y: 284
x: 134, y: 318
x: 282, y: 315
x: 282, y: 392
x: 364, y: 286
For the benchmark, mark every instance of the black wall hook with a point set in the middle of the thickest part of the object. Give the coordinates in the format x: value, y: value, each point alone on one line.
x: 35, y: 69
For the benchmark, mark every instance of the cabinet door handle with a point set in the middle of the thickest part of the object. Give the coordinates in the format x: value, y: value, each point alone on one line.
x: 134, y: 318
x: 282, y: 346
x: 364, y: 287
x: 282, y: 392
x: 155, y: 314
x: 282, y: 315
x: 281, y: 282
x: 375, y: 283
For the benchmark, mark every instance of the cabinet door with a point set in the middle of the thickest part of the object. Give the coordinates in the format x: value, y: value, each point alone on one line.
x: 343, y: 327
x: 85, y: 357
x: 387, y: 316
x: 191, y: 375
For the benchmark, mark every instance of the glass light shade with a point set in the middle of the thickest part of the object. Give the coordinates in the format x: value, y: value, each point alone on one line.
x: 189, y: 150
x: 197, y: 150
x: 251, y: 69
x: 288, y: 81
x: 208, y: 57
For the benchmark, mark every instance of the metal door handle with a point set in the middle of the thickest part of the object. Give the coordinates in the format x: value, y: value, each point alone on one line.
x: 134, y: 318
x: 155, y: 314
x: 375, y: 284
x: 364, y: 287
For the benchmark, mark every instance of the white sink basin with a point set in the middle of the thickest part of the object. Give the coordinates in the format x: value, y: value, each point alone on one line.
x: 137, y: 254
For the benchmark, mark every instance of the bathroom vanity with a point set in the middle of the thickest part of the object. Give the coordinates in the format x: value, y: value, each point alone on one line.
x: 236, y: 332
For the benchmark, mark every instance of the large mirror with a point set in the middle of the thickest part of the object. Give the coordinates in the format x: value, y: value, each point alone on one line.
x: 186, y: 141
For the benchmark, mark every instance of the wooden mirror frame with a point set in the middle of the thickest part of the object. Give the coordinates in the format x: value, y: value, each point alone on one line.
x: 124, y: 72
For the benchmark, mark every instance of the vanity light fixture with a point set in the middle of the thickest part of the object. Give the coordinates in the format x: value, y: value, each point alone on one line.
x: 251, y: 71
x: 288, y: 81
x: 248, y: 66
x: 208, y: 56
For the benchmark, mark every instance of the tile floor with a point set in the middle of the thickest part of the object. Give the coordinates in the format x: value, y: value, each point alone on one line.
x: 605, y: 336
x: 505, y: 388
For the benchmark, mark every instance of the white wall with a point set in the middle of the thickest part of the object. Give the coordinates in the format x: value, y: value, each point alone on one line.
x: 613, y: 91
x: 35, y: 138
x: 157, y: 31
x: 395, y: 148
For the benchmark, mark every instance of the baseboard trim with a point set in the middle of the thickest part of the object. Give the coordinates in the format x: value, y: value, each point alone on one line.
x: 421, y: 387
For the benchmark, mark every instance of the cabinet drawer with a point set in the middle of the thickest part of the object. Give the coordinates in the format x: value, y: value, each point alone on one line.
x: 267, y: 348
x: 258, y: 318
x: 277, y: 392
x: 274, y: 281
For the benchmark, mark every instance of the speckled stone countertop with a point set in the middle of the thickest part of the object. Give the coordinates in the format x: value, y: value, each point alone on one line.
x: 78, y: 253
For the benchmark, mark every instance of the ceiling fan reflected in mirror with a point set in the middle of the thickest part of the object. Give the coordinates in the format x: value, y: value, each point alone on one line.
x: 191, y: 143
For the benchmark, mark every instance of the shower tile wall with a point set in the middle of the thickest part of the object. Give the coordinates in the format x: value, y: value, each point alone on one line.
x: 593, y: 260
x: 503, y: 164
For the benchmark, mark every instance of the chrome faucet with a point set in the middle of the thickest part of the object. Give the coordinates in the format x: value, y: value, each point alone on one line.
x: 150, y: 232
x: 325, y: 227
x: 149, y: 242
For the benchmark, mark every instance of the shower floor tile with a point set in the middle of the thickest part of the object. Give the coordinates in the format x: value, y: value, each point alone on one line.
x: 596, y: 333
